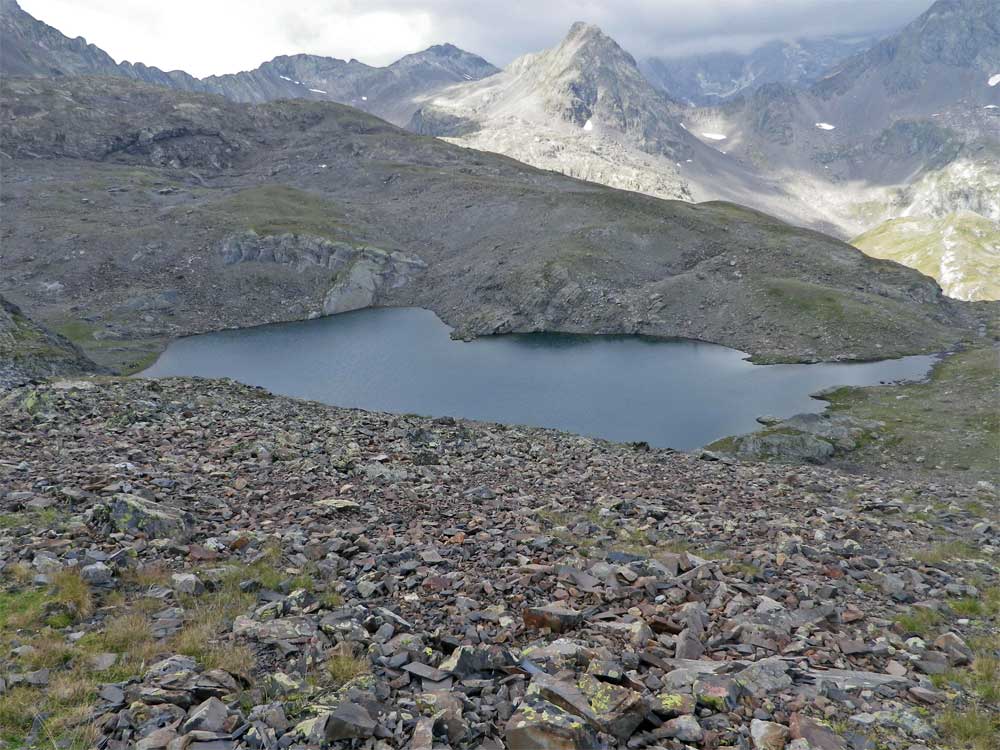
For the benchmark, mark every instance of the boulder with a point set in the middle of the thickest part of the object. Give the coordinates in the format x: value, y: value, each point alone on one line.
x: 555, y: 617
x: 135, y: 514
x: 540, y: 725
x: 349, y: 721
x: 767, y: 735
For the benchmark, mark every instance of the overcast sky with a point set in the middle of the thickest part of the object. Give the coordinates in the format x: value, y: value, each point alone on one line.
x: 224, y: 36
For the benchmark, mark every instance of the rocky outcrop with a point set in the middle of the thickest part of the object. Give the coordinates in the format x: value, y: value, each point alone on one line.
x: 360, y: 274
x: 813, y: 438
x: 29, y: 351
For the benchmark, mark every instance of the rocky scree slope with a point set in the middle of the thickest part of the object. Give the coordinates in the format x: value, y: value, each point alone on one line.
x: 200, y: 562
x: 393, y: 92
x: 29, y: 351
x: 138, y: 192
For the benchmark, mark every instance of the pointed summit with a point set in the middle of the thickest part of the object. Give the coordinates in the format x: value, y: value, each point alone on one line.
x: 589, y: 41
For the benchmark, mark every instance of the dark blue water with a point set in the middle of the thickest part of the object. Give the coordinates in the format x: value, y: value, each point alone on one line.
x: 678, y: 394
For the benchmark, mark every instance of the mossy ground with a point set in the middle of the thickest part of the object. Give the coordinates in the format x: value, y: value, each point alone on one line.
x: 951, y: 422
x: 278, y: 209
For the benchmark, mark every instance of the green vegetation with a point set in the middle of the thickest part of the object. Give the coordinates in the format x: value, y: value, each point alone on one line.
x: 919, y: 621
x: 950, y: 421
x: 948, y: 551
x: 859, y: 313
x: 277, y: 209
x: 957, y: 250
x: 342, y: 669
x: 972, y: 729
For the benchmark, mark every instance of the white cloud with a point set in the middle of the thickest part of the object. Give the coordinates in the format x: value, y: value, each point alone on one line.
x: 224, y: 36
x: 221, y: 36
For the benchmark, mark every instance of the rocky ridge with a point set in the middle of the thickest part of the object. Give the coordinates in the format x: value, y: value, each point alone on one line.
x: 200, y: 564
x: 393, y: 92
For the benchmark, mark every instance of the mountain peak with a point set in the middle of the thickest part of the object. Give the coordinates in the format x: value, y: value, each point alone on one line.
x: 587, y: 43
x: 583, y: 28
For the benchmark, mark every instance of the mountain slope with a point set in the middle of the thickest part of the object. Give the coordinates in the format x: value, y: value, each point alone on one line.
x: 909, y: 128
x: 583, y: 108
x: 31, y: 47
x: 166, y: 212
x: 961, y: 250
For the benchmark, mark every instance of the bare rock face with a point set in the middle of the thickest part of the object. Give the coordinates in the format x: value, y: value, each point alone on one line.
x: 359, y: 273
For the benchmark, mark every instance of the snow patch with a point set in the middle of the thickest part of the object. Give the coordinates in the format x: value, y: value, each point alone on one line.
x: 317, y: 91
x: 994, y: 80
x: 991, y: 106
x: 825, y: 126
x: 588, y: 125
x: 715, y: 136
x: 284, y: 78
x: 364, y: 98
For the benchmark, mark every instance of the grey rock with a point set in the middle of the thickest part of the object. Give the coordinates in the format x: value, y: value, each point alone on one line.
x: 349, y: 721
x: 209, y: 716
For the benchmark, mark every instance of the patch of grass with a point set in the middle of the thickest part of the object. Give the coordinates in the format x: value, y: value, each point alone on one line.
x: 948, y: 551
x: 919, y: 622
x: 66, y: 703
x: 130, y: 634
x: 343, y: 669
x: 973, y: 728
x: 48, y: 651
x: 19, y: 609
x: 982, y: 679
x: 72, y: 592
x: 146, y: 576
x: 18, y: 707
x: 331, y: 600
x: 967, y: 606
x: 950, y: 420
x: 278, y: 209
x: 77, y: 331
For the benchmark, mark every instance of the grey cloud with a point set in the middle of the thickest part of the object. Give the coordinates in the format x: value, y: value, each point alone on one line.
x: 502, y: 31
x: 184, y: 33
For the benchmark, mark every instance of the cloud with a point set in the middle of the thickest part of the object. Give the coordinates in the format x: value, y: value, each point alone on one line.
x: 222, y: 36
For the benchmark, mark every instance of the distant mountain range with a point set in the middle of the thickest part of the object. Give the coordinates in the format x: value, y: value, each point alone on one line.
x: 34, y: 48
x: 832, y: 134
x: 843, y: 154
